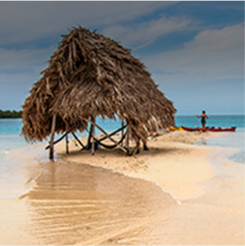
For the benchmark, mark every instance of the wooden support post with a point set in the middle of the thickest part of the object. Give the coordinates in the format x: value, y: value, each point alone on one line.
x: 122, y: 131
x: 137, y: 145
x: 92, y: 132
x: 67, y: 144
x: 90, y: 135
x: 145, y: 145
x: 127, y: 136
x: 51, y: 144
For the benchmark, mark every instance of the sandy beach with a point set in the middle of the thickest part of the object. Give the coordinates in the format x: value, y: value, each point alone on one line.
x: 176, y: 193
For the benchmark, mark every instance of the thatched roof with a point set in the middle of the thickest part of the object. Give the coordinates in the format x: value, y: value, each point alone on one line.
x: 92, y: 75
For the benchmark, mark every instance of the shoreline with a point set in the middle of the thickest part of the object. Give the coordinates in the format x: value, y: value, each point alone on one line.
x: 198, y: 203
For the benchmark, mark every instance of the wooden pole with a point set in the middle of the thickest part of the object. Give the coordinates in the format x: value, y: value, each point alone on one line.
x: 51, y: 143
x: 90, y: 135
x: 127, y: 136
x: 92, y: 132
x: 67, y: 144
x: 122, y: 131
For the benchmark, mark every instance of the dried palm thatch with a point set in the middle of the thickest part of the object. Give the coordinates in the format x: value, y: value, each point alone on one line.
x: 90, y: 75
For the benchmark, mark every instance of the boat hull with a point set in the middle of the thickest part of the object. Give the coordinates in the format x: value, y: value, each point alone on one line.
x: 218, y: 129
x: 210, y: 129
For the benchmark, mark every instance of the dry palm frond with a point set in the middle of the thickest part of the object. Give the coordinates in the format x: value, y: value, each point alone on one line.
x: 90, y: 75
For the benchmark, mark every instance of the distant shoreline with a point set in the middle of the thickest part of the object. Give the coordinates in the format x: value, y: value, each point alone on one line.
x: 10, y: 114
x: 10, y: 117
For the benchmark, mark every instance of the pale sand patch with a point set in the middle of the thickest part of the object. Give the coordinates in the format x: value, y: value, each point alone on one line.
x: 172, y: 162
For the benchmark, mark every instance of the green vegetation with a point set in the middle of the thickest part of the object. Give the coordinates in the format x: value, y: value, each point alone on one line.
x: 10, y: 114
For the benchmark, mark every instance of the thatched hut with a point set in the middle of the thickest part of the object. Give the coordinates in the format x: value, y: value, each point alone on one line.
x: 90, y: 75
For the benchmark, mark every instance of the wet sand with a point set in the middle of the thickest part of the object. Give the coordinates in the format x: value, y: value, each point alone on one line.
x: 169, y: 195
x: 81, y: 204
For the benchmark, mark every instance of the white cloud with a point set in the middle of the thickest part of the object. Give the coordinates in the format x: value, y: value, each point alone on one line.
x: 211, y: 55
x: 147, y: 32
x: 25, y: 21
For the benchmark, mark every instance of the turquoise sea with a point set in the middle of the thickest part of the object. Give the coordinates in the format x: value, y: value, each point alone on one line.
x: 11, y: 140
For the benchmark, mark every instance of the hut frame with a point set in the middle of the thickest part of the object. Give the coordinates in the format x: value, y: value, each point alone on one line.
x: 90, y: 75
x: 92, y: 139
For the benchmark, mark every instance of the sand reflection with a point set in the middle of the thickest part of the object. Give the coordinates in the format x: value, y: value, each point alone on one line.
x: 80, y: 204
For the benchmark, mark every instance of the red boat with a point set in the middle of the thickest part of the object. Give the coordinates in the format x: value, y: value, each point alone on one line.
x: 211, y: 129
x: 218, y: 129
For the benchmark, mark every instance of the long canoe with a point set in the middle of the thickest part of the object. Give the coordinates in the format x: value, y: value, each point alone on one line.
x: 211, y: 129
x: 218, y: 129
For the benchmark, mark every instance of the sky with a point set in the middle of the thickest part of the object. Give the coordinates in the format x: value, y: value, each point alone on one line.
x: 193, y: 50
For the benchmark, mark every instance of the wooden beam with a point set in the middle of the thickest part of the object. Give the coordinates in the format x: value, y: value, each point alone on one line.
x: 113, y: 133
x: 78, y: 140
x: 104, y: 145
x: 111, y: 146
x: 93, y: 123
x: 58, y: 140
x: 51, y: 144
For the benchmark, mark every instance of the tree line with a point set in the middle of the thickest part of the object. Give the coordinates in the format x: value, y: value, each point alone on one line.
x: 10, y: 114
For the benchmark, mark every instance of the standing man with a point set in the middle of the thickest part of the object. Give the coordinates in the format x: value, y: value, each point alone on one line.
x: 203, y: 117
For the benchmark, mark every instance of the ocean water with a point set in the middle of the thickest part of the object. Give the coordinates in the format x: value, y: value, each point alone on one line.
x: 230, y: 139
x: 214, y: 120
x: 10, y: 130
x: 13, y: 172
